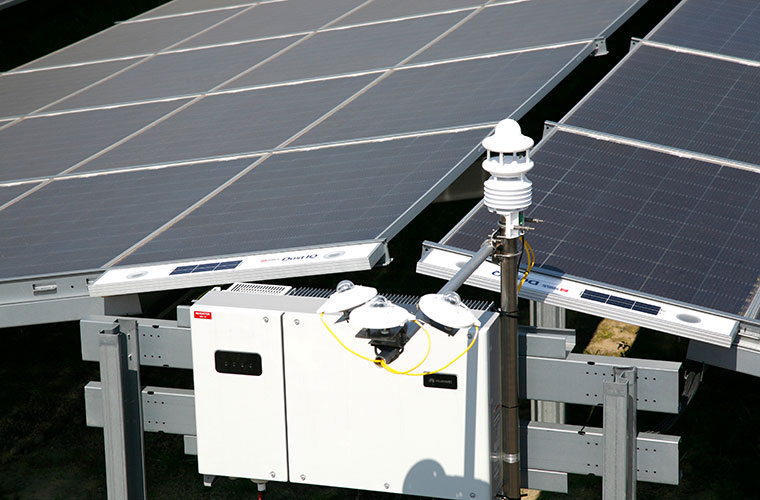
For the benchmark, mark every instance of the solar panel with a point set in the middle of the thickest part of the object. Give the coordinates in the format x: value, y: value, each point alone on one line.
x: 23, y: 93
x: 525, y: 24
x: 179, y: 7
x: 667, y: 226
x: 726, y: 27
x: 681, y: 100
x: 53, y: 230
x: 132, y: 39
x: 335, y: 195
x: 333, y: 52
x: 390, y: 9
x: 135, y: 144
x: 231, y: 124
x: 48, y: 145
x: 274, y: 19
x: 444, y: 95
x: 168, y: 75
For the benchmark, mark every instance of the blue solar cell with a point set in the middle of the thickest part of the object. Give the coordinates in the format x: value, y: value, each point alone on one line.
x: 620, y: 302
x: 203, y: 268
x: 595, y: 296
x: 646, y: 308
x: 232, y: 264
x: 206, y: 267
x: 183, y: 270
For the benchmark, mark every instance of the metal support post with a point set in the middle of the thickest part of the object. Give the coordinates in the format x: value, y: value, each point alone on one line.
x: 547, y: 316
x: 508, y: 256
x: 122, y: 411
x: 619, y: 477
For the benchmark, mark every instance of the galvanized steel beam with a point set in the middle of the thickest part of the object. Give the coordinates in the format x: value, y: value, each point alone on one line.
x: 122, y: 412
x: 619, y: 476
x: 545, y: 447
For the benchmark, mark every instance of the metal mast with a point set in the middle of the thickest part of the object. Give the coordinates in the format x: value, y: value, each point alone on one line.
x: 508, y: 193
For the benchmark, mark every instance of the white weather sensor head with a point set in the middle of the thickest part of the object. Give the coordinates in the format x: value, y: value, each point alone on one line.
x: 347, y: 296
x: 380, y: 314
x: 507, y: 137
x: 448, y: 310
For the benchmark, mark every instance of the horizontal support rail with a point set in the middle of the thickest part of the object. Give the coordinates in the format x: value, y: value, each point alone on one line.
x: 549, y: 371
x: 547, y: 448
x: 580, y: 379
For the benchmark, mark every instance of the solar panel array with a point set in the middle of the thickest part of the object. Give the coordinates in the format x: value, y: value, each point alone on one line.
x: 652, y: 183
x: 211, y: 128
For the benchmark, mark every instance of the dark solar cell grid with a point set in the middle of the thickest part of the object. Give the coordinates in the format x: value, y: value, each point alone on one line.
x: 321, y: 197
x: 681, y: 100
x: 53, y: 230
x: 729, y: 27
x: 444, y: 95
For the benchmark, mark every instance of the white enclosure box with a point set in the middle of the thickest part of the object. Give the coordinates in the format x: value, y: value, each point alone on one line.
x: 239, y: 396
x: 350, y: 423
x: 355, y: 425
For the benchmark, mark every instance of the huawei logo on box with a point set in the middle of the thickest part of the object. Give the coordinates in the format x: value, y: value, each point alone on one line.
x: 202, y: 315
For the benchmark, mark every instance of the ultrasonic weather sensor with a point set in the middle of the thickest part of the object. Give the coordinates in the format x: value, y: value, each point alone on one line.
x: 347, y: 296
x: 508, y: 191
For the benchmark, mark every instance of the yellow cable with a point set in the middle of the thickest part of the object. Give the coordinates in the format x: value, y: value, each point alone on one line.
x: 474, y: 338
x: 375, y: 361
x: 407, y: 372
x: 382, y: 362
x: 531, y: 261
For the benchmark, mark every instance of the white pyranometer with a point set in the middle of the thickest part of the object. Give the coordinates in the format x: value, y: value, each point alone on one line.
x: 380, y: 314
x: 347, y: 296
x: 448, y: 310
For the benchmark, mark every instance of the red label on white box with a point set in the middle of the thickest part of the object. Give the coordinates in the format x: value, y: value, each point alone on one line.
x: 202, y: 315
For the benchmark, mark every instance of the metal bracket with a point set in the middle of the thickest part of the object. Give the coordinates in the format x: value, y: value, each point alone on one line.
x: 600, y: 47
x: 162, y: 343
